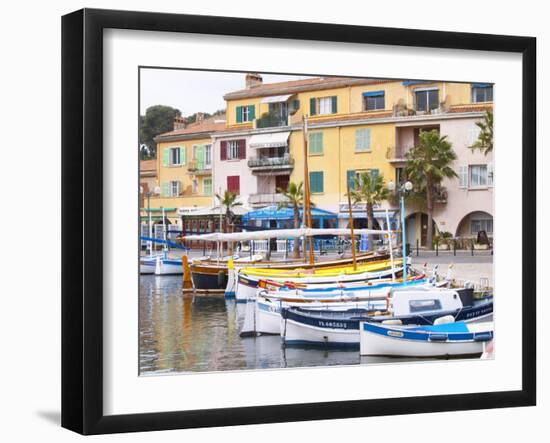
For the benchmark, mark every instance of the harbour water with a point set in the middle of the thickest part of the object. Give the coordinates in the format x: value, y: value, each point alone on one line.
x: 184, y: 333
x: 180, y: 334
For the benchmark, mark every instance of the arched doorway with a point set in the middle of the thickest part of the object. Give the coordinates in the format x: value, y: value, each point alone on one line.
x: 474, y: 222
x: 417, y: 228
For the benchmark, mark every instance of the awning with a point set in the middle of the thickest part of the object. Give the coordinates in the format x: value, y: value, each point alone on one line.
x: 275, y: 213
x: 276, y: 98
x: 213, y: 211
x: 272, y: 140
x: 482, y: 85
x: 373, y: 94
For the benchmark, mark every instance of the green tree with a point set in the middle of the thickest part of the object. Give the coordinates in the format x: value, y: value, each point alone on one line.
x: 294, y: 195
x: 371, y: 190
x: 428, y: 163
x: 229, y: 201
x: 157, y: 120
x: 484, y: 140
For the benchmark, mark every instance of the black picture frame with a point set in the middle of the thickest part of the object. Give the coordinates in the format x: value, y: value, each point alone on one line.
x: 82, y: 253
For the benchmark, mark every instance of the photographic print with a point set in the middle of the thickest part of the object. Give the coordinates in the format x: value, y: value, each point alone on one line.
x: 291, y: 221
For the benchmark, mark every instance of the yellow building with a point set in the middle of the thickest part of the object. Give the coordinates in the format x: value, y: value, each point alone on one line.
x: 184, y: 165
x: 354, y: 125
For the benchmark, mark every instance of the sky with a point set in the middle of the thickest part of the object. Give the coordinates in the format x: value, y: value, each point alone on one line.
x: 193, y: 91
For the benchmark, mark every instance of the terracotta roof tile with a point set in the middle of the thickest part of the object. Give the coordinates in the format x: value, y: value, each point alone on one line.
x: 209, y: 125
x: 295, y: 86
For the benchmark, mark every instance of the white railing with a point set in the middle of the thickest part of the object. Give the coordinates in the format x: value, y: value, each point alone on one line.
x: 266, y: 198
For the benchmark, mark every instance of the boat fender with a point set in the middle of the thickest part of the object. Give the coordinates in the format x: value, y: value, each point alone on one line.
x: 444, y: 320
x: 394, y: 322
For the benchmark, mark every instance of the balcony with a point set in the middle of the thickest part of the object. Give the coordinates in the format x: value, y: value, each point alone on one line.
x: 440, y: 195
x: 396, y: 154
x: 272, y: 120
x: 266, y: 199
x: 196, y: 167
x: 271, y: 165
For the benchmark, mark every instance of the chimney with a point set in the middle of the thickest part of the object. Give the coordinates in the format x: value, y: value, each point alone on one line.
x: 252, y: 80
x: 180, y: 123
x: 200, y: 117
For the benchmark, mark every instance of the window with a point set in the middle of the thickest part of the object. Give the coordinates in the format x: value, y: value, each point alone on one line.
x: 316, y: 182
x: 477, y: 225
x: 373, y: 101
x: 362, y: 140
x: 424, y: 305
x: 427, y: 99
x: 233, y: 184
x: 316, y: 143
x: 245, y: 113
x: 174, y: 188
x: 478, y: 176
x: 482, y: 93
x: 208, y: 156
x: 323, y: 105
x: 194, y: 186
x: 281, y: 182
x: 233, y: 150
x: 207, y: 186
x: 174, y: 156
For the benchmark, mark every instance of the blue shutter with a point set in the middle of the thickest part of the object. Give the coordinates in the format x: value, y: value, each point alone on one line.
x: 351, y: 176
x: 239, y: 111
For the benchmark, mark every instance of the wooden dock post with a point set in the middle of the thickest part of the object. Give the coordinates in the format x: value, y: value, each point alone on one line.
x: 187, y: 286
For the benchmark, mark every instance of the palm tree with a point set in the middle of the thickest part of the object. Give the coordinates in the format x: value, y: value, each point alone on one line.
x: 371, y: 189
x: 294, y: 194
x: 484, y: 140
x: 428, y: 164
x: 229, y: 200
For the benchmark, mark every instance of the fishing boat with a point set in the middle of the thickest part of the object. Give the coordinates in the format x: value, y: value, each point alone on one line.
x: 215, y: 273
x: 248, y: 279
x: 451, y: 339
x: 419, y: 306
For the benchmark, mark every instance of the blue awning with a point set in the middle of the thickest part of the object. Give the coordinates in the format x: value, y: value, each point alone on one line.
x: 415, y: 82
x: 482, y: 85
x: 272, y: 213
x: 373, y: 94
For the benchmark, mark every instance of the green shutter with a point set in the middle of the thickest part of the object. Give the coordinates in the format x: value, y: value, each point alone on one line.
x: 239, y: 114
x: 183, y: 155
x: 316, y: 181
x: 312, y: 106
x: 334, y: 100
x: 166, y: 189
x: 207, y: 186
x: 199, y: 153
x: 166, y: 157
x: 316, y: 143
x: 351, y: 176
x: 251, y: 112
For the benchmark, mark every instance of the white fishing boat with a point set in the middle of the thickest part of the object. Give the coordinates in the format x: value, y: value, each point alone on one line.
x: 269, y: 304
x: 443, y: 340
x: 415, y: 307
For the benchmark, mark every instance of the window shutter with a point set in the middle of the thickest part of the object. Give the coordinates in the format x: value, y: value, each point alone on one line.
x: 351, y: 176
x: 312, y: 106
x: 334, y: 100
x: 239, y: 114
x: 166, y: 189
x: 166, y: 157
x: 183, y: 155
x: 251, y: 112
x: 463, y: 176
x: 374, y: 173
x: 316, y: 181
x: 178, y: 188
x: 223, y: 150
x: 362, y: 139
x: 489, y: 174
x: 242, y: 149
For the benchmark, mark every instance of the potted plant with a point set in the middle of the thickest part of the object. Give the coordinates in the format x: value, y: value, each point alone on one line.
x: 445, y: 239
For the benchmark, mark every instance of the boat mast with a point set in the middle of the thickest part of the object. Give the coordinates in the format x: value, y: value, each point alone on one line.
x: 351, y: 228
x: 307, y: 202
x: 390, y: 244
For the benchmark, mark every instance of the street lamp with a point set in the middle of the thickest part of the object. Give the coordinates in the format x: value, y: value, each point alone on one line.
x: 148, y: 194
x: 401, y: 191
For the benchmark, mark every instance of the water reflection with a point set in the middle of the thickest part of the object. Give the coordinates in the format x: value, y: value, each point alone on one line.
x: 182, y: 333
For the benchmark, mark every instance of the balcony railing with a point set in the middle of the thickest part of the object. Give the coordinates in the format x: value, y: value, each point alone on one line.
x: 199, y: 167
x: 285, y: 162
x: 266, y: 199
x: 271, y: 121
x: 440, y: 194
x: 396, y: 153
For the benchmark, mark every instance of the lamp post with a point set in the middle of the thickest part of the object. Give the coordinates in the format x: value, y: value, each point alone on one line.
x: 401, y: 191
x: 148, y: 194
